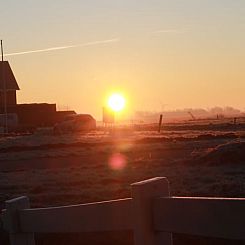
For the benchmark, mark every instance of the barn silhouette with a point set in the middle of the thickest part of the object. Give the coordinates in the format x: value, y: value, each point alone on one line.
x: 10, y: 83
x: 31, y: 114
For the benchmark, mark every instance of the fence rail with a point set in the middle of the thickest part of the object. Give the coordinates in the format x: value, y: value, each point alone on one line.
x: 210, y: 217
x: 151, y: 213
x: 100, y: 216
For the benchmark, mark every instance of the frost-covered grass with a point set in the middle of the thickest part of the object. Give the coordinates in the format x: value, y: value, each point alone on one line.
x: 69, y: 169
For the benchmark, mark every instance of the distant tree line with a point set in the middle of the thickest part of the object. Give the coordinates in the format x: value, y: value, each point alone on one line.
x: 182, y: 114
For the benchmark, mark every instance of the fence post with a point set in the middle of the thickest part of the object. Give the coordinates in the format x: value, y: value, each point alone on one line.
x: 143, y: 194
x: 11, y: 222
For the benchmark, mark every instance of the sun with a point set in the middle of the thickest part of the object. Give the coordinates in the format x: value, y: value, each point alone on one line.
x: 116, y: 102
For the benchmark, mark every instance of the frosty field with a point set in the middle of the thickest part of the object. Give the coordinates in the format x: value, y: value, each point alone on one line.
x: 59, y: 170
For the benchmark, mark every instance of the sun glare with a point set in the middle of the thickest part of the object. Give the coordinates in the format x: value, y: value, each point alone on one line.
x: 116, y: 102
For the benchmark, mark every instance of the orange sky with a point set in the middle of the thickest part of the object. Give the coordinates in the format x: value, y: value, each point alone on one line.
x: 158, y: 53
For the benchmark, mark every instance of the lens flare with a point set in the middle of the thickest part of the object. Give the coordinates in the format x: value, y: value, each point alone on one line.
x: 117, y: 161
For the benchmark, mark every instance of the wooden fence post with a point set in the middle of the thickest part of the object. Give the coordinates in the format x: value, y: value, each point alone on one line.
x: 11, y: 222
x: 160, y: 124
x: 143, y: 194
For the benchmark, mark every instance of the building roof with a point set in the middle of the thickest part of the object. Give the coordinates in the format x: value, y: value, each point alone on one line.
x: 83, y: 117
x: 7, y: 74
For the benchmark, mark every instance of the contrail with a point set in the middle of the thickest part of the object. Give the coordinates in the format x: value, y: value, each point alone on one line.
x: 170, y: 31
x: 65, y: 47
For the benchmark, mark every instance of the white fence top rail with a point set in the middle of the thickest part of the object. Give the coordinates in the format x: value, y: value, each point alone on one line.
x: 99, y: 216
x: 211, y: 217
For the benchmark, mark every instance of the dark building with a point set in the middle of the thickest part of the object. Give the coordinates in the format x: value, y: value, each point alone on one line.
x: 7, y: 83
x: 29, y: 115
x: 36, y: 115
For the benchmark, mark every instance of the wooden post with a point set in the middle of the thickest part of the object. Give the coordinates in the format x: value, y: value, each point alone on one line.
x: 143, y: 194
x: 160, y: 124
x: 12, y: 223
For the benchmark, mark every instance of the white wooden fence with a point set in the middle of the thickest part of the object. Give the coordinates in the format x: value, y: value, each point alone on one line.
x: 151, y: 213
